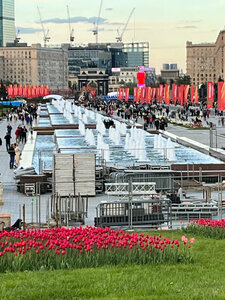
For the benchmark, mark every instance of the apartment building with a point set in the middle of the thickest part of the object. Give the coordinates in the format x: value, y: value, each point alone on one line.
x: 35, y: 65
x: 201, y: 62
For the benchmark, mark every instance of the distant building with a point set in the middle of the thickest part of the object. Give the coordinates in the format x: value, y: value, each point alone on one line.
x: 7, y: 22
x: 137, y: 54
x: 96, y: 77
x: 35, y: 65
x: 122, y: 76
x: 220, y: 55
x: 170, y: 73
x: 107, y: 56
x: 201, y: 62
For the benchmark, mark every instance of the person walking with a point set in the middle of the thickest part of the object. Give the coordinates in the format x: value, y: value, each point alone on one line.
x: 11, y: 152
x: 24, y: 134
x: 18, y: 134
x: 9, y: 128
x: 17, y: 155
x: 7, y: 140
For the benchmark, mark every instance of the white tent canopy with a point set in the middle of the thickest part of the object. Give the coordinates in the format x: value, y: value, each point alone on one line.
x: 56, y: 97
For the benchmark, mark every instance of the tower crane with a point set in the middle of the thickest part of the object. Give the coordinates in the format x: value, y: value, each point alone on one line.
x: 46, y: 37
x: 95, y: 31
x: 119, y: 38
x: 70, y: 28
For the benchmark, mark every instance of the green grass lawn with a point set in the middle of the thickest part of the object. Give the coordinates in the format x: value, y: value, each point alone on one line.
x: 204, y: 279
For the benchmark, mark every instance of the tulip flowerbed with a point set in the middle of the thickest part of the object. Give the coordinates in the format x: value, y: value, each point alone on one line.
x: 62, y: 248
x: 207, y: 228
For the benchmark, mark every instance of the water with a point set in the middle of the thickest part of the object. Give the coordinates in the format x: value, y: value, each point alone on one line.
x: 118, y: 146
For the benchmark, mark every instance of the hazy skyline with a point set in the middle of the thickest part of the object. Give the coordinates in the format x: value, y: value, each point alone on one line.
x: 166, y: 25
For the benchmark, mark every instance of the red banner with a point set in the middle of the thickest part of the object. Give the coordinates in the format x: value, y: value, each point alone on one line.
x: 142, y: 92
x: 196, y: 94
x: 148, y: 95
x: 221, y: 95
x: 186, y: 91
x: 192, y: 93
x: 157, y: 94
x: 181, y: 94
x: 127, y: 92
x: 119, y: 94
x: 161, y: 91
x: 153, y: 93
x: 167, y: 94
x: 210, y: 94
x: 174, y: 89
x: 135, y: 94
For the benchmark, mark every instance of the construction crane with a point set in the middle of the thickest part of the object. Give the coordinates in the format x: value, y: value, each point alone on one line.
x: 46, y: 37
x: 70, y: 29
x: 119, y: 38
x: 95, y: 31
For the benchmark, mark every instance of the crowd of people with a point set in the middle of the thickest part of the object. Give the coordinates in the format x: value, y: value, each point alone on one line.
x: 155, y: 115
x: 17, y: 118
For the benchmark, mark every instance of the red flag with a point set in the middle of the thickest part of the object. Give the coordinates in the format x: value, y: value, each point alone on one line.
x: 192, y: 93
x: 210, y: 94
x: 33, y: 92
x: 10, y: 90
x: 148, y: 95
x: 161, y: 91
x: 135, y: 94
x: 153, y: 93
x: 119, y: 94
x: 167, y: 94
x: 20, y: 90
x: 29, y: 92
x: 221, y: 95
x: 181, y: 94
x: 196, y: 94
x: 186, y: 91
x: 127, y: 91
x: 25, y: 91
x: 41, y: 90
x: 157, y: 94
x: 174, y: 88
x: 15, y: 90
x: 142, y: 92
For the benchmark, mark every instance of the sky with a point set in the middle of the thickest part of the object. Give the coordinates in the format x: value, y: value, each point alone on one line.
x: 165, y: 24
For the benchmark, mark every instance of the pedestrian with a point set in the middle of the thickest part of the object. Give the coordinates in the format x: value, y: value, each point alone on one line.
x: 11, y: 152
x: 17, y: 155
x: 18, y: 134
x: 24, y: 134
x: 7, y: 140
x: 9, y: 128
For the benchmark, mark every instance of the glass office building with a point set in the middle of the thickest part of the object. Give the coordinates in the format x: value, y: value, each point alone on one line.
x: 137, y: 54
x: 7, y: 22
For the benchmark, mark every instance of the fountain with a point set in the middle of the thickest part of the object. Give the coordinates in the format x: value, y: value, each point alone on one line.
x: 89, y: 137
x: 170, y: 151
x: 82, y: 128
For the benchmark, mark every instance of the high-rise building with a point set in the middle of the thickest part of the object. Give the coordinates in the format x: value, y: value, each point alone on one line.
x: 201, y: 62
x: 7, y: 22
x: 137, y: 54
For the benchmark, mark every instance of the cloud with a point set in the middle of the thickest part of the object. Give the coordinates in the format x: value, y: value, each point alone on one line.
x: 109, y: 9
x: 187, y: 27
x: 29, y: 30
x: 75, y: 20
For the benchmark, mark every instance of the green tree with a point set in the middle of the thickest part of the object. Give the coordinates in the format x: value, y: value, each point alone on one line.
x: 186, y: 79
x: 3, y: 91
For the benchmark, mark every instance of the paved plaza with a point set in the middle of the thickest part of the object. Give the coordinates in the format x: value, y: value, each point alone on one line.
x: 14, y: 200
